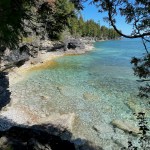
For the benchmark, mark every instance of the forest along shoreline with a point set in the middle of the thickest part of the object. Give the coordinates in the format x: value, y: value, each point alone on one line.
x: 21, y: 114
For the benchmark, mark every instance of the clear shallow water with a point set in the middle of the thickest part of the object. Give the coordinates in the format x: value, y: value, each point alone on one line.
x: 98, y: 87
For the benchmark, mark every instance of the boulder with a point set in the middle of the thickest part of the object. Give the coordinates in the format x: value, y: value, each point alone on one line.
x: 57, y: 46
x: 136, y: 108
x: 43, y: 97
x: 126, y: 126
x: 75, y: 44
x: 17, y: 55
x: 90, y: 96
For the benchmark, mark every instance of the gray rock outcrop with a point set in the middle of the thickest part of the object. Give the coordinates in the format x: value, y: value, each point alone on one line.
x: 74, y: 44
x: 4, y: 92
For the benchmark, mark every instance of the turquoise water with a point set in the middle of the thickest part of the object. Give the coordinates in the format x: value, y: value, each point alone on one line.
x: 98, y: 87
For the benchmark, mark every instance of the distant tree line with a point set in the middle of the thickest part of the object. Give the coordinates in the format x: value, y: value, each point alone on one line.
x: 89, y: 28
x: 63, y: 14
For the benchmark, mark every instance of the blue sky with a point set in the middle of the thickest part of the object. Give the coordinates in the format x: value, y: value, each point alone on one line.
x: 91, y: 12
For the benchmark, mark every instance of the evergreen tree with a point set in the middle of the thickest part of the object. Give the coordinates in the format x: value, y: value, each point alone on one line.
x: 57, y: 19
x: 12, y: 14
x: 89, y: 28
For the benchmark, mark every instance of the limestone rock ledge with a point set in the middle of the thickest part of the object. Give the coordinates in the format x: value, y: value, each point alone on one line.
x: 125, y: 126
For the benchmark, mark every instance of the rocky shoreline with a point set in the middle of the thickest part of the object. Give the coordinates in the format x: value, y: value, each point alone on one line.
x: 25, y: 118
x: 44, y: 58
x: 17, y: 114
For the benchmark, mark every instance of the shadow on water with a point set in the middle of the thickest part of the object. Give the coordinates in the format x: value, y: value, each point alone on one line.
x: 39, y: 137
x: 4, y: 91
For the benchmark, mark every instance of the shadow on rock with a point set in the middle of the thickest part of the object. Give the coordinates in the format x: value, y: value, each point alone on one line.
x: 40, y: 137
x: 4, y: 92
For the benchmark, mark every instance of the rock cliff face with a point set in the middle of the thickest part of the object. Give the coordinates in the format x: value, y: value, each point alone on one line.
x: 4, y: 92
x: 33, y: 33
x: 32, y: 46
x: 29, y: 47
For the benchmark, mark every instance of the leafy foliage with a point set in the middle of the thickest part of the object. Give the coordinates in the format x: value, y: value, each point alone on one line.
x: 141, y: 66
x: 135, y: 12
x: 12, y: 13
x: 143, y: 132
x: 55, y: 20
x: 142, y: 70
x: 51, y: 14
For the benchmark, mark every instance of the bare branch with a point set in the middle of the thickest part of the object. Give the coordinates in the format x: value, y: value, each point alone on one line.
x: 145, y: 45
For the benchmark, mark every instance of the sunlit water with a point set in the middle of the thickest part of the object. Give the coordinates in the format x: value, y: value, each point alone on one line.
x: 97, y: 86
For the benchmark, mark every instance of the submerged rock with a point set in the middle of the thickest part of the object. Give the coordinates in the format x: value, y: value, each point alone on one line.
x: 125, y: 126
x: 136, y: 108
x: 132, y: 106
x: 43, y: 97
x: 90, y: 96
